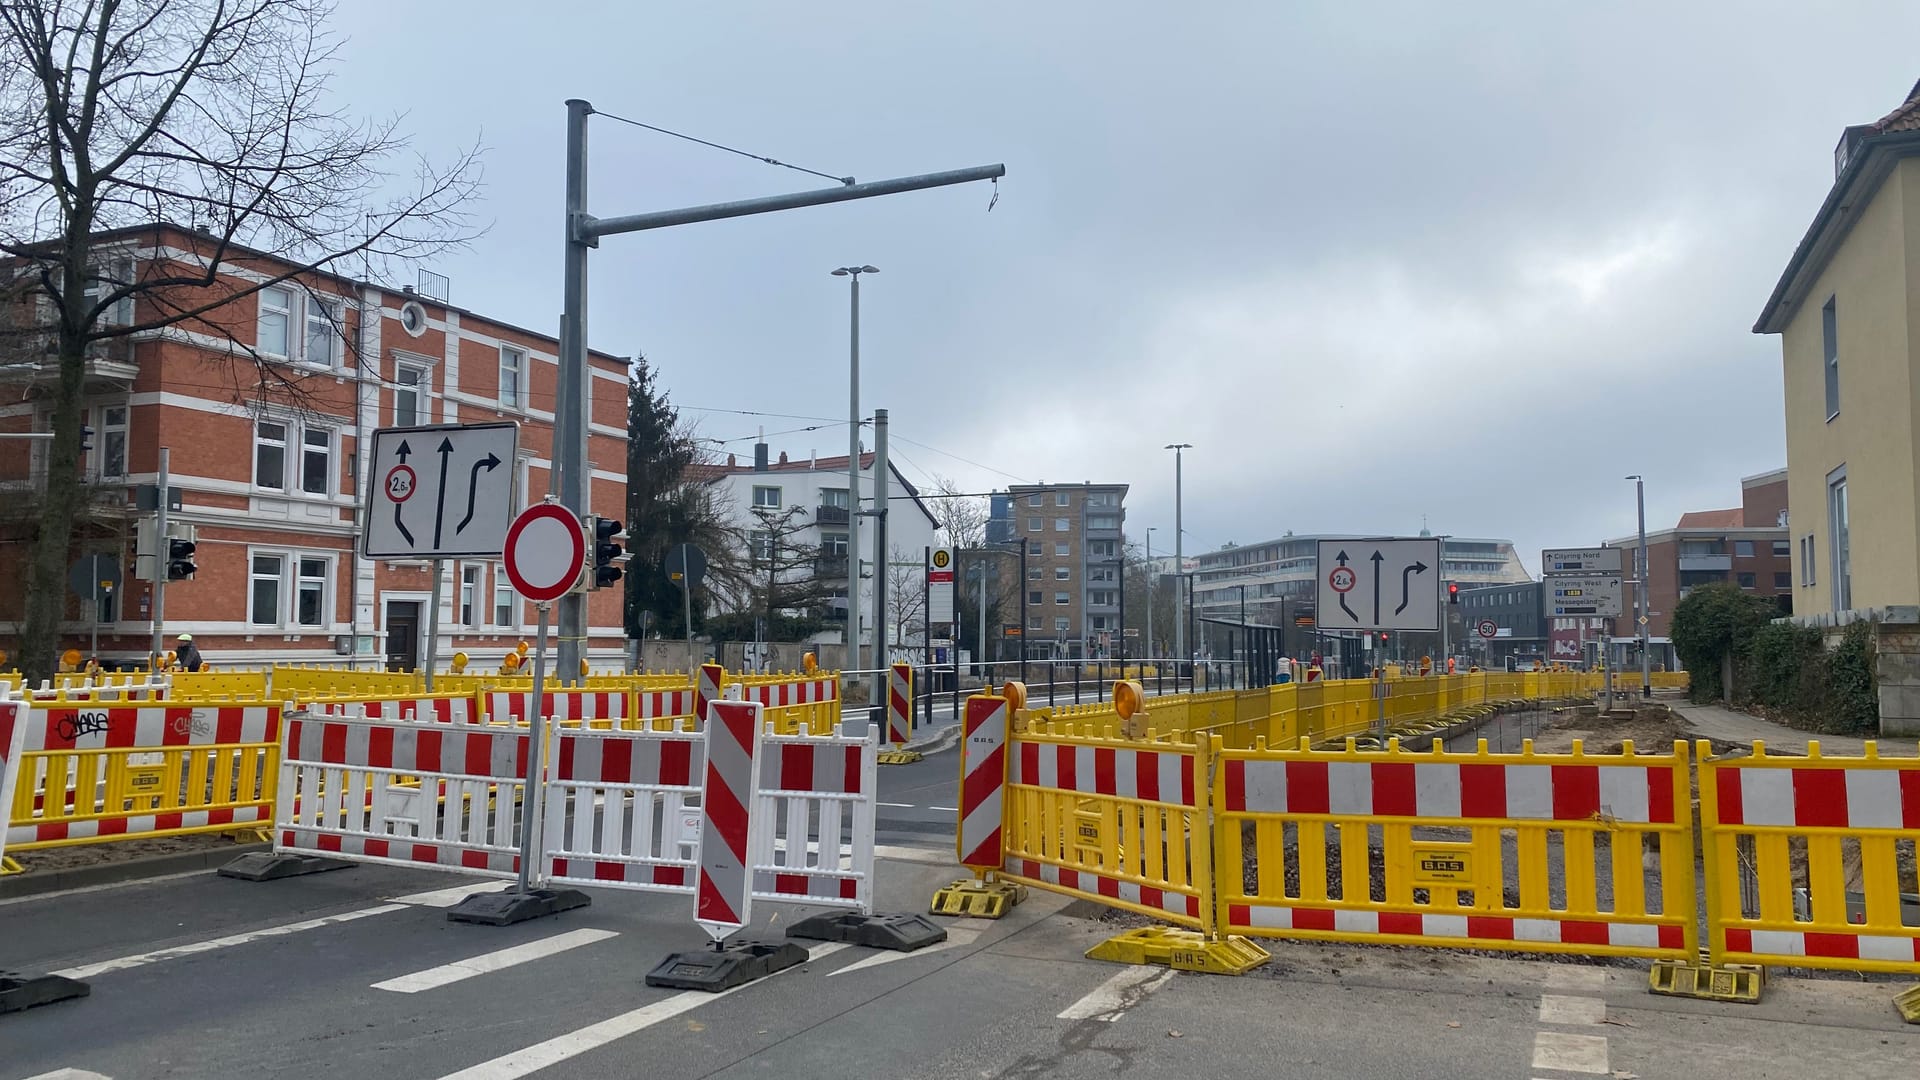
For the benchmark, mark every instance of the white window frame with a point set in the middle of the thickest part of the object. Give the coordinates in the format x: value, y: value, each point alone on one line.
x: 1063, y: 573
x: 279, y: 579
x: 421, y: 390
x: 326, y: 448
x: 300, y: 582
x: 519, y: 367
x: 1062, y: 624
x: 1036, y: 573
x: 1807, y: 551
x: 1036, y: 499
x: 324, y: 310
x: 1061, y: 524
x: 120, y: 271
x: 504, y: 588
x: 1062, y: 549
x: 103, y: 431
x: 1840, y: 539
x: 1060, y: 498
x: 275, y: 300
x: 469, y: 599
x: 773, y: 490
x: 1037, y: 622
x: 1063, y: 599
x: 285, y: 441
x: 1036, y: 596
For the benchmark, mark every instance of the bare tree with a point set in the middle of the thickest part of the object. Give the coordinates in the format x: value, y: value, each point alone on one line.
x: 210, y: 114
x: 964, y: 516
x: 906, y: 596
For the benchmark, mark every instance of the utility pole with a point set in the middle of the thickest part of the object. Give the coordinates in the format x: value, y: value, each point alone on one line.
x: 1179, y: 555
x: 1640, y: 558
x: 881, y: 657
x: 160, y: 558
x: 1153, y: 580
x: 853, y: 463
x: 582, y: 232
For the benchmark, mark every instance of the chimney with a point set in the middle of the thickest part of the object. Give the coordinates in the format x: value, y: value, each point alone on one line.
x: 759, y: 457
x: 813, y: 460
x: 730, y: 461
x: 783, y: 457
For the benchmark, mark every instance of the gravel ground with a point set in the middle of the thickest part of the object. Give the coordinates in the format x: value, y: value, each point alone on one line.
x: 50, y: 860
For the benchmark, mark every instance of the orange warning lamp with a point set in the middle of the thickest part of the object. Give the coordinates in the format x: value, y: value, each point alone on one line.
x: 521, y: 648
x: 70, y: 659
x: 1015, y: 692
x: 1128, y: 698
x: 459, y: 662
x: 810, y: 663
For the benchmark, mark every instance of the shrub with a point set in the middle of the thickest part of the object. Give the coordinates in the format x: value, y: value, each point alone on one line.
x: 1712, y: 623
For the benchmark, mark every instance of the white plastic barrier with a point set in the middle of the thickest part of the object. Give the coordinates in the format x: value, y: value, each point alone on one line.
x: 811, y: 839
x: 516, y: 705
x: 629, y: 793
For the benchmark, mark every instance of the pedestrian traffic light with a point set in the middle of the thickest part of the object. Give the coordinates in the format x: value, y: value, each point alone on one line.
x: 1453, y: 592
x: 604, y: 537
x: 181, y: 544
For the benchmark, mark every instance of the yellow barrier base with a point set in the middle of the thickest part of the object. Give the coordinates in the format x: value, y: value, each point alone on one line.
x: 1907, y: 1004
x: 1739, y: 983
x: 898, y: 757
x: 9, y: 865
x: 980, y: 899
x: 1182, y: 950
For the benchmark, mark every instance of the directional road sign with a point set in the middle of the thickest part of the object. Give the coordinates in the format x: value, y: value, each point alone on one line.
x: 436, y: 492
x: 1382, y: 584
x: 546, y: 548
x: 1598, y: 596
x: 1555, y: 561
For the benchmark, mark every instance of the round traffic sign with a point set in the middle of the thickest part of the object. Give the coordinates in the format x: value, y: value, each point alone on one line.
x: 1343, y: 579
x: 400, y: 483
x: 546, y: 549
x: 1487, y: 628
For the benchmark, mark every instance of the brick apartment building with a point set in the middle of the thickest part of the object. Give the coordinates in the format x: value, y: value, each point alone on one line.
x: 1749, y: 546
x: 1075, y: 537
x: 266, y: 405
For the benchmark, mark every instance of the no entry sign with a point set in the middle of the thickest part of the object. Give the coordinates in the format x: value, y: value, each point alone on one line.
x: 546, y: 549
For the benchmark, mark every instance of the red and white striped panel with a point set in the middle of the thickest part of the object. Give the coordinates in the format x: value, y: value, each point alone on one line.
x: 150, y: 727
x: 1820, y: 798
x: 723, y: 893
x: 798, y: 692
x: 1650, y: 938
x: 659, y: 704
x: 1742, y: 943
x: 516, y: 705
x: 707, y: 689
x: 900, y: 704
x: 983, y: 783
x: 441, y: 710
x: 1177, y: 904
x: 126, y: 824
x: 402, y: 851
x: 645, y: 758
x: 813, y: 818
x: 13, y: 740
x: 1150, y: 775
x: 411, y: 749
x: 1633, y: 794
x: 809, y: 764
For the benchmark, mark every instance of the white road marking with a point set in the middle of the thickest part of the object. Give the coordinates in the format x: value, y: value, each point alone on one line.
x: 71, y: 1074
x: 948, y: 809
x: 897, y: 805
x: 930, y: 856
x: 499, y: 960
x: 83, y: 889
x: 1558, y: 1009
x: 446, y: 898
x: 1575, y: 977
x: 956, y: 937
x: 88, y: 971
x: 561, y: 1048
x: 1569, y: 1053
x: 1111, y: 999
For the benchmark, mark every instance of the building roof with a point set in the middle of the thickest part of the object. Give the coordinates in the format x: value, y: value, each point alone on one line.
x: 1870, y: 159
x: 1775, y: 476
x: 708, y: 473
x: 1713, y: 519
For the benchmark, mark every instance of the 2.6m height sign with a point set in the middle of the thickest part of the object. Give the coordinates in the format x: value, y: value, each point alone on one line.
x: 440, y: 492
x: 1383, y: 584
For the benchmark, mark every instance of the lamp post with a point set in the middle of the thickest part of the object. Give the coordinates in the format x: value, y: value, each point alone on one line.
x: 1179, y: 551
x: 853, y: 465
x: 1153, y: 579
x: 1640, y: 594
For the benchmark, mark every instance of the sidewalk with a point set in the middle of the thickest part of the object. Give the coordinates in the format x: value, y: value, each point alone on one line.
x: 1726, y: 725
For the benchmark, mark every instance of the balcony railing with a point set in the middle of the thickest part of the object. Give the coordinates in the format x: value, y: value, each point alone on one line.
x: 830, y: 566
x: 1706, y: 562
x: 830, y: 515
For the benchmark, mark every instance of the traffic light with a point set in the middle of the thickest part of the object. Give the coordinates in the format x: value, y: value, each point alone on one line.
x: 1453, y: 592
x: 86, y: 439
x: 1383, y: 637
x: 181, y: 543
x: 604, y: 537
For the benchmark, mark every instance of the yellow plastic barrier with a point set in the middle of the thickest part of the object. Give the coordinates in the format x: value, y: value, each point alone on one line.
x: 1467, y: 851
x: 1803, y: 859
x: 189, y: 686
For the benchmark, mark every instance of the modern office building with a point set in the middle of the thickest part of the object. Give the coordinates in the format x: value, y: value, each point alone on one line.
x: 1075, y: 537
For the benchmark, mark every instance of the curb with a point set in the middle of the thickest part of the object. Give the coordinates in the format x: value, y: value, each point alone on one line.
x: 945, y: 737
x: 34, y: 884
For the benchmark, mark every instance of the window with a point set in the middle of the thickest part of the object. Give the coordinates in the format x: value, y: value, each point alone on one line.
x: 312, y: 592
x: 1036, y: 597
x: 833, y: 544
x: 102, y: 280
x: 1036, y: 623
x: 1062, y: 598
x: 113, y: 441
x: 1033, y: 524
x: 276, y: 317
x: 760, y: 545
x: 1060, y: 499
x: 1743, y: 549
x: 323, y: 335
x: 1062, y: 549
x: 1806, y: 559
x: 1062, y: 624
x: 513, y: 378
x: 469, y: 594
x: 1035, y: 573
x: 766, y: 498
x: 504, y: 611
x: 1101, y: 549
x: 1063, y: 573
x: 836, y: 497
x: 1103, y: 597
x: 270, y: 455
x: 1061, y: 524
x: 1747, y: 581
x: 1830, y: 345
x: 264, y: 606
x: 413, y: 318
x: 1103, y: 521
x: 1782, y: 549
x: 1034, y: 499
x: 1841, y: 548
x: 1782, y: 580
x: 316, y: 461
x: 410, y: 389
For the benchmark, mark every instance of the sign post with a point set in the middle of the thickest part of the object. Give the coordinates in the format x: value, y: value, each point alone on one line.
x: 1583, y: 583
x: 687, y: 564
x: 546, y: 554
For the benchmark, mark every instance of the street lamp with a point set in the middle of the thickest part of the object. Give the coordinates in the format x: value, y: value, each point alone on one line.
x: 1640, y: 594
x: 853, y: 468
x: 1179, y: 627
x: 1153, y: 580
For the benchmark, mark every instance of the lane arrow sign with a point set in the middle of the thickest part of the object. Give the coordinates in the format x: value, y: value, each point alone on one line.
x: 440, y: 509
x: 1406, y: 573
x: 403, y: 451
x: 1377, y: 560
x: 489, y: 463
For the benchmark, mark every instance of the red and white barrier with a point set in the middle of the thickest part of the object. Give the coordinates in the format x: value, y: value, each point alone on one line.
x: 1447, y: 790
x: 1164, y: 776
x: 723, y: 894
x: 812, y: 820
x: 640, y: 784
x: 1825, y: 798
x: 13, y: 742
x: 707, y: 690
x: 441, y: 710
x: 402, y: 793
x: 514, y: 706
x: 663, y: 704
x: 794, y: 692
x: 983, y: 782
x: 900, y: 704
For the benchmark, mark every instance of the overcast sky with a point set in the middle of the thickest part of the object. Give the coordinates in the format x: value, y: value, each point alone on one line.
x: 1375, y: 261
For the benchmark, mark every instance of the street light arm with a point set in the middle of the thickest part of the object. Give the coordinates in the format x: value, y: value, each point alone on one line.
x: 588, y: 229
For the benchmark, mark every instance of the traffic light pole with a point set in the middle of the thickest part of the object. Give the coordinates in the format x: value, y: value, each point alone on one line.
x: 433, y: 621
x: 160, y: 562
